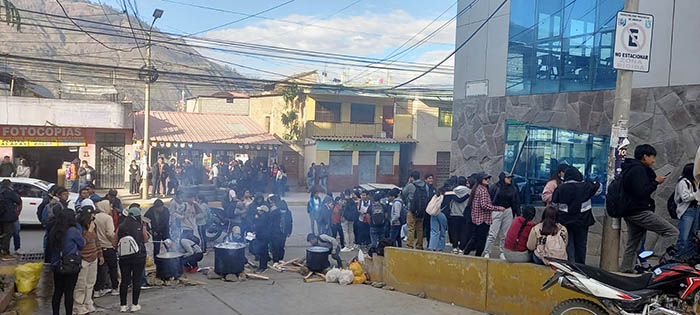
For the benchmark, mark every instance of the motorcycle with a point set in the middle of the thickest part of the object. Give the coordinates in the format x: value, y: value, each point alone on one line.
x: 671, y: 288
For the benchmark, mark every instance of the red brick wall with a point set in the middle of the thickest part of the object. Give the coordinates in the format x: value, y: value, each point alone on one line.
x: 338, y: 183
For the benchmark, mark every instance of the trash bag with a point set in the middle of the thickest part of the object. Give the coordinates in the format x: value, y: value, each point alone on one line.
x: 332, y: 275
x: 357, y: 272
x: 361, y: 256
x: 27, y: 276
x: 346, y: 277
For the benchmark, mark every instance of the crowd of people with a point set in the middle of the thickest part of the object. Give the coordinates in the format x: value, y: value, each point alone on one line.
x: 476, y: 216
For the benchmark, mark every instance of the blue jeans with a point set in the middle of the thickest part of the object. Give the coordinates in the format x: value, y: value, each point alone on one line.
x: 687, y: 224
x: 396, y: 235
x: 537, y: 260
x: 15, y: 236
x: 322, y: 183
x: 438, y: 227
x: 375, y: 234
x: 311, y: 182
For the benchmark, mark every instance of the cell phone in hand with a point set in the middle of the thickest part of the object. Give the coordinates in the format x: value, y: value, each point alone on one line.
x: 669, y: 173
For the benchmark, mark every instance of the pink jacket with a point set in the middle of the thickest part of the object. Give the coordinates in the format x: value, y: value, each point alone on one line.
x: 548, y: 191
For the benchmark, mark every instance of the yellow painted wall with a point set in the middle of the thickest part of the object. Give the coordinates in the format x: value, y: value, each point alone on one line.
x: 355, y: 157
x: 403, y: 126
x: 272, y: 105
x: 323, y: 156
x: 492, y: 286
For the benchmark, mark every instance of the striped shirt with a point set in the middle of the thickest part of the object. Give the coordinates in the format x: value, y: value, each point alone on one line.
x: 92, y: 249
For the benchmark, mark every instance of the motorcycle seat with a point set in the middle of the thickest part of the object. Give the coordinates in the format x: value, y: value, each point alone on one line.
x: 627, y: 283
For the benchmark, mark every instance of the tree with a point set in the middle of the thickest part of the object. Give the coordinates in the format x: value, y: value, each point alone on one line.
x: 293, y: 96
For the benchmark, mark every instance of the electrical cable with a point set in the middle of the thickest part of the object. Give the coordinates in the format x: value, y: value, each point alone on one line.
x: 80, y: 27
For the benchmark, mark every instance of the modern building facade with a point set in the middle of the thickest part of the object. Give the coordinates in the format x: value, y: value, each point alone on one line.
x: 543, y: 67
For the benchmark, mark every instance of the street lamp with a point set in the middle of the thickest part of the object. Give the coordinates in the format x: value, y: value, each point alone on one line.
x: 150, y: 78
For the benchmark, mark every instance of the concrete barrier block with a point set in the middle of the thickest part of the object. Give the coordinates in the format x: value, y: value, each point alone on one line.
x: 515, y: 289
x: 446, y: 277
x: 374, y: 267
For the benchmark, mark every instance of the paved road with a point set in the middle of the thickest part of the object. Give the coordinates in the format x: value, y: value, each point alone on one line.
x: 285, y: 293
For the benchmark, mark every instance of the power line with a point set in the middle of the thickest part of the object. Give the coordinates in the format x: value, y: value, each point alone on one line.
x: 238, y: 20
x: 456, y: 49
x: 81, y: 29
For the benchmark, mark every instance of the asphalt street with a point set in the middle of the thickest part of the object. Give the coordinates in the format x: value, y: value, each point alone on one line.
x: 284, y: 293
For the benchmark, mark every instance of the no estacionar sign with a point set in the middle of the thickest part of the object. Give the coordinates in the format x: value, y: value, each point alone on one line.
x: 633, y: 41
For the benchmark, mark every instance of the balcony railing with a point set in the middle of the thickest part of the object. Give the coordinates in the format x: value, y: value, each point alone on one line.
x: 342, y: 129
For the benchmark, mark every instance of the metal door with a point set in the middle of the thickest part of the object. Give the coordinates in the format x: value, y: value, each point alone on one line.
x: 367, y: 167
x: 111, y: 166
x: 290, y: 160
x: 442, y: 168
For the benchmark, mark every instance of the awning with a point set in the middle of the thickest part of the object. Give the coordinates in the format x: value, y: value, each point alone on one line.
x: 367, y: 139
x: 182, y: 127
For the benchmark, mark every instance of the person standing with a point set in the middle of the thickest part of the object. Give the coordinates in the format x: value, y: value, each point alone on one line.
x: 639, y: 181
x: 429, y: 180
x: 336, y: 229
x: 505, y: 195
x: 87, y: 174
x: 159, y: 216
x: 281, y: 221
x: 552, y: 184
x: 172, y: 178
x: 396, y: 210
x: 347, y: 222
x: 438, y: 222
x: 482, y: 208
x: 573, y: 198
x: 7, y: 168
x: 91, y: 257
x: 362, y: 233
x: 107, y: 272
x: 281, y: 181
x: 416, y: 197
x: 323, y: 177
x: 313, y: 208
x: 131, y: 262
x: 160, y: 176
x: 377, y: 220
x: 456, y: 220
x: 64, y: 240
x: 202, y: 220
x: 134, y: 178
x: 23, y: 170
x: 686, y: 211
x: 74, y: 177
x: 311, y: 176
x: 323, y: 220
x: 262, y: 227
x: 9, y: 200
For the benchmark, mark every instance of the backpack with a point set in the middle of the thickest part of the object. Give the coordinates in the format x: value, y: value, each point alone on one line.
x: 615, y: 201
x: 285, y: 217
x: 377, y: 216
x: 127, y: 246
x: 420, y: 201
x: 433, y: 207
x: 402, y: 214
x: 555, y: 246
x: 671, y: 204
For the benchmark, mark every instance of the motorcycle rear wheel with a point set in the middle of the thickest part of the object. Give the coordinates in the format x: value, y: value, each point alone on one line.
x: 578, y: 306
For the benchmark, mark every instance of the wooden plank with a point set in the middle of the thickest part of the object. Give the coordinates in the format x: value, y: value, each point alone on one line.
x: 314, y: 280
x: 257, y: 276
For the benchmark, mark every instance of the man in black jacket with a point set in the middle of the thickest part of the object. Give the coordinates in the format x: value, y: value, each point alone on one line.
x: 159, y: 215
x: 347, y: 222
x: 8, y: 215
x: 639, y: 181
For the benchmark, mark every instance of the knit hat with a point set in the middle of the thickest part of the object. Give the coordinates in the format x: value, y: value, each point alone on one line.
x: 87, y: 202
x: 135, y: 211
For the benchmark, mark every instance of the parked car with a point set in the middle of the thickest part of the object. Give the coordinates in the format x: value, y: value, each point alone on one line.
x: 32, y: 191
x: 376, y: 188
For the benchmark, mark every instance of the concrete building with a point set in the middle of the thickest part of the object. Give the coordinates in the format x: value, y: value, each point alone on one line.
x: 545, y: 67
x: 221, y: 102
x: 49, y: 132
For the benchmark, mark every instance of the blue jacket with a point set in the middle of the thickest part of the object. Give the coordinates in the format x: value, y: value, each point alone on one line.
x: 10, y: 200
x: 72, y: 246
x: 314, y: 205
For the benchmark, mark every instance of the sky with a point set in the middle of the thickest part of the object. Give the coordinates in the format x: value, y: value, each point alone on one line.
x: 368, y: 28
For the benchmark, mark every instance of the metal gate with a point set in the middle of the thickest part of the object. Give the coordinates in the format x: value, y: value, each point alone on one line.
x: 110, y: 160
x: 367, y: 167
x: 442, y: 168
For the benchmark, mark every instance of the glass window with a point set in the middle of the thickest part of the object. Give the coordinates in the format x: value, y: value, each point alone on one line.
x: 546, y: 148
x: 361, y: 113
x: 327, y: 111
x: 27, y: 191
x: 340, y: 163
x: 386, y: 163
x: 444, y: 118
x: 561, y: 45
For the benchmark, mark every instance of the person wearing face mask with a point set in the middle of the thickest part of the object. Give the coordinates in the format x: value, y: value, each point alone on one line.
x: 552, y: 184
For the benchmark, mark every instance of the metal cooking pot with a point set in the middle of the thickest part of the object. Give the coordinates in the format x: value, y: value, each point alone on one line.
x: 169, y: 265
x: 317, y: 258
x: 229, y: 258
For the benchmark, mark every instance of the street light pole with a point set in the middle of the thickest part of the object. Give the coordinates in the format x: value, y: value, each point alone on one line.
x: 147, y: 111
x: 609, y: 254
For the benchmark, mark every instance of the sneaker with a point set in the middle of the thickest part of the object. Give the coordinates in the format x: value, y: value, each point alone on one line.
x: 145, y: 287
x: 98, y: 294
x: 135, y: 308
x: 123, y: 309
x: 502, y: 256
x: 487, y: 256
x: 455, y: 250
x: 345, y: 249
x: 114, y: 292
x: 9, y: 257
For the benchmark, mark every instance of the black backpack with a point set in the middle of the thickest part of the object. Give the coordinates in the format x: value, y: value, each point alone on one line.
x: 420, y: 201
x: 615, y: 200
x: 377, y: 216
x: 402, y: 214
x: 671, y: 204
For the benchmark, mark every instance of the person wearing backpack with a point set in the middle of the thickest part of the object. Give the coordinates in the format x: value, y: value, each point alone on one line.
x: 684, y: 198
x: 573, y: 198
x: 415, y: 194
x: 481, y: 209
x: 377, y: 220
x: 283, y: 217
x: 505, y: 195
x: 92, y: 258
x: 548, y: 238
x: 336, y: 217
x: 347, y: 222
x: 63, y: 246
x: 438, y: 222
x: 397, y: 209
x: 131, y: 234
x: 516, y: 239
x: 324, y: 215
x: 639, y: 181
x: 456, y: 222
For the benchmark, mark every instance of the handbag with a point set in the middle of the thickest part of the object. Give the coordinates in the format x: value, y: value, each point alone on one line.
x: 69, y: 264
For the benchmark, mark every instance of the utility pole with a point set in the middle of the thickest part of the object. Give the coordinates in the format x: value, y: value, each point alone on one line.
x: 610, y: 251
x: 147, y: 111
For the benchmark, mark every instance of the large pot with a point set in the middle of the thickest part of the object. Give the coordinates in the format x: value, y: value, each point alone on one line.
x: 317, y: 258
x: 229, y: 258
x: 169, y: 265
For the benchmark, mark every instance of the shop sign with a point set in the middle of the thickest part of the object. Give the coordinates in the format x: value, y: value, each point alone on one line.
x: 40, y: 136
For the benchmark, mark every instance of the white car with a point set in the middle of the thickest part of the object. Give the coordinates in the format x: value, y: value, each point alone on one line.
x: 31, y: 190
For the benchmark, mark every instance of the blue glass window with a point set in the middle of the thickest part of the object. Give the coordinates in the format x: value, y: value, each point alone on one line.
x: 545, y: 149
x: 561, y: 45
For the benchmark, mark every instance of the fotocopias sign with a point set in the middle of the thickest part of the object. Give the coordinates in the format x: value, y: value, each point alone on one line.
x: 40, y: 136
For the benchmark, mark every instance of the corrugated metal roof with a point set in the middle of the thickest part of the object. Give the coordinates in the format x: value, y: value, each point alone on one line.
x: 168, y: 126
x: 367, y: 139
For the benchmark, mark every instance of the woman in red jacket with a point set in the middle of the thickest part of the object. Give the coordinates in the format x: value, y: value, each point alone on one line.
x: 516, y: 239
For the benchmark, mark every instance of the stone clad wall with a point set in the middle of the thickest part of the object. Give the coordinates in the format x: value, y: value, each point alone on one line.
x: 666, y: 117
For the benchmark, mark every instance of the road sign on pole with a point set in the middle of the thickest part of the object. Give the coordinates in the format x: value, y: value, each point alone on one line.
x: 633, y: 41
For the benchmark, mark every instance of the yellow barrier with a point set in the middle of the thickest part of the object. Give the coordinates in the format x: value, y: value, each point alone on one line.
x: 492, y: 286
